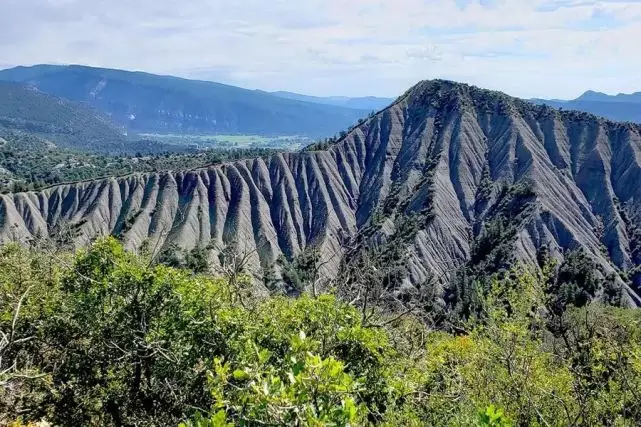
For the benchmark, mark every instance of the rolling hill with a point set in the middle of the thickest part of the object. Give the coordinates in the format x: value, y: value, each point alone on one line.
x: 147, y: 103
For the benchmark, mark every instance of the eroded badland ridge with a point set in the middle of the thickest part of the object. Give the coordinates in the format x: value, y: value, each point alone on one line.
x: 444, y: 155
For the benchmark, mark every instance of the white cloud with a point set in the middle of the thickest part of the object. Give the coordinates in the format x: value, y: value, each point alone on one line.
x: 552, y: 48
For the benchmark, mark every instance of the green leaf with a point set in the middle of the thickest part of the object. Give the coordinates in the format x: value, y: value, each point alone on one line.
x: 298, y: 367
x: 240, y: 375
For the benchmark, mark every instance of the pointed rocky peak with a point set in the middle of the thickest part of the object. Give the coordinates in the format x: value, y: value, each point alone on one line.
x: 592, y: 95
x: 428, y: 98
x: 445, y: 99
x: 445, y: 96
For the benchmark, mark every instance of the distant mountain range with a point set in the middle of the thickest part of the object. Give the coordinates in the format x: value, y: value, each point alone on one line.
x: 371, y: 103
x: 593, y: 96
x: 147, y: 103
x: 621, y: 107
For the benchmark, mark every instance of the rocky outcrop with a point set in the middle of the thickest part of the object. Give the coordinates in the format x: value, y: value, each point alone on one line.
x: 436, y: 149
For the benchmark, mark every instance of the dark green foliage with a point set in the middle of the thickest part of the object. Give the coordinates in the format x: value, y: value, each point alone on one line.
x: 484, y: 191
x: 122, y: 343
x: 320, y: 145
x: 299, y: 274
x: 513, y: 205
x: 31, y: 163
x: 492, y: 245
x: 196, y: 260
x: 325, y: 143
x: 171, y: 256
x: 138, y: 318
x: 393, y: 253
x: 390, y: 252
x: 578, y: 281
x: 613, y: 291
x: 631, y: 216
x: 126, y: 225
x: 391, y: 203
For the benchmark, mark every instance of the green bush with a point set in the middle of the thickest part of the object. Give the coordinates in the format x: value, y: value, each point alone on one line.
x: 103, y: 338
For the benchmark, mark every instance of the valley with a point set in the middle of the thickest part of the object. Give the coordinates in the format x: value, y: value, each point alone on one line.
x: 292, y: 142
x: 29, y: 162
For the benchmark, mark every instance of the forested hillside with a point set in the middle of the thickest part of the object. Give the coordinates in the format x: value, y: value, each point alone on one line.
x: 148, y: 103
x: 66, y: 123
x: 367, y: 103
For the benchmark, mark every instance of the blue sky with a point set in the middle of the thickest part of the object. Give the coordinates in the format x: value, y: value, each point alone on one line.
x: 528, y: 48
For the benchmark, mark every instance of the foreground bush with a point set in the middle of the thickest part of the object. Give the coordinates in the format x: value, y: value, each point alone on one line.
x: 107, y: 339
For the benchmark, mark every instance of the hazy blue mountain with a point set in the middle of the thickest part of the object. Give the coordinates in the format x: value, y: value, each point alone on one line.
x: 593, y: 96
x: 143, y: 102
x: 621, y: 107
x: 371, y: 103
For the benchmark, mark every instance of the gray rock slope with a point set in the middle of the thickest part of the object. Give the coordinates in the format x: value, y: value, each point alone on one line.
x: 584, y: 171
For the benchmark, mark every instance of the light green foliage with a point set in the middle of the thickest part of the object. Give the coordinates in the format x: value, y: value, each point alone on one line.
x: 103, y: 338
x: 312, y: 391
x: 119, y: 342
x: 510, y: 359
x: 494, y: 417
x: 303, y: 361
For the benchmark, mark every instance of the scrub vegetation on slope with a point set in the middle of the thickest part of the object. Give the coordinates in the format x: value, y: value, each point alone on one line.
x: 105, y: 337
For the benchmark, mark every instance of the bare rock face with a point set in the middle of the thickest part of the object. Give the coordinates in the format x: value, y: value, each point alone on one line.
x: 435, y: 149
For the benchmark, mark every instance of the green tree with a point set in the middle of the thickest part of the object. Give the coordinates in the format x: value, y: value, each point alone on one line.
x: 129, y: 343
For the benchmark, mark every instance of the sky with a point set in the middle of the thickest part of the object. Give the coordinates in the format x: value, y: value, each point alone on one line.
x: 527, y: 48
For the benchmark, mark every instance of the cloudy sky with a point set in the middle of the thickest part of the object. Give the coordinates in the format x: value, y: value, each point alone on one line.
x: 528, y: 48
